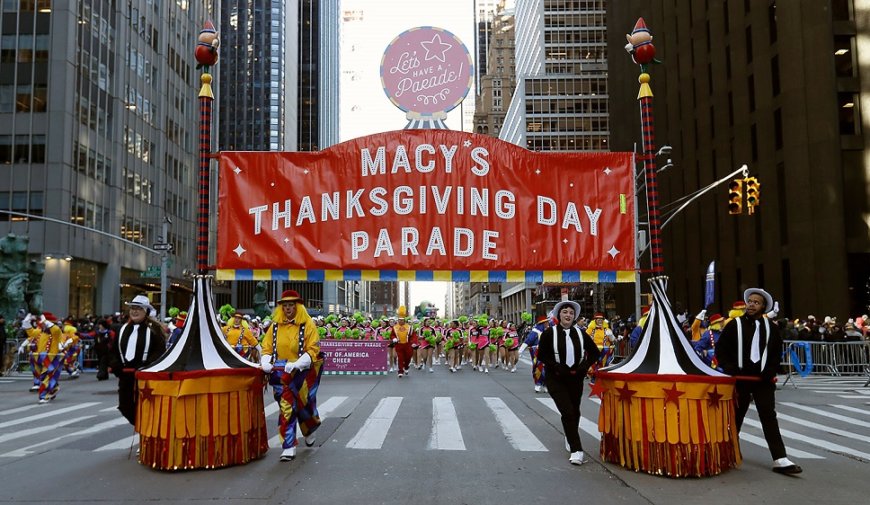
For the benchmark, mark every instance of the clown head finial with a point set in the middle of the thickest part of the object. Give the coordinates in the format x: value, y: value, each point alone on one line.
x: 640, y: 45
x: 206, y: 52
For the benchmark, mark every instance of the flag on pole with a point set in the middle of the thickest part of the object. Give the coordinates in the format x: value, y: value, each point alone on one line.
x: 710, y: 284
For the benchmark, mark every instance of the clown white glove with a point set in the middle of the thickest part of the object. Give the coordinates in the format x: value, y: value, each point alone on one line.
x: 608, y: 332
x: 701, y: 315
x: 266, y: 363
x: 523, y: 347
x: 290, y: 366
x: 304, y: 362
x: 27, y: 322
x: 395, y: 341
x: 772, y: 314
x: 23, y: 346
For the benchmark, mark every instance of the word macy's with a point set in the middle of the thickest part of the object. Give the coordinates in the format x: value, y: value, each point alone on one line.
x: 446, y: 200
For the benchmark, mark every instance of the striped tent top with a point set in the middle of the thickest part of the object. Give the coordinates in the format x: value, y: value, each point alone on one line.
x: 201, y: 345
x: 663, y: 348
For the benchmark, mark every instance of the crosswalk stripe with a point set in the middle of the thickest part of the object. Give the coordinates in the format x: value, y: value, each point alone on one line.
x: 519, y: 436
x: 866, y: 412
x: 830, y: 446
x: 47, y: 413
x: 585, y: 424
x: 817, y: 426
x: 21, y: 409
x: 40, y: 429
x: 24, y: 451
x: 374, y: 430
x: 324, y: 409
x: 446, y: 434
x: 752, y: 439
x: 825, y: 413
x: 124, y: 443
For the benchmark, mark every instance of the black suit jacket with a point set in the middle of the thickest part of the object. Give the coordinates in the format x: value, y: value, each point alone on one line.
x: 582, y: 362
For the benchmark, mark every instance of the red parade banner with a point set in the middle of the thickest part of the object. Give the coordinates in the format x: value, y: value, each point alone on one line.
x: 419, y: 200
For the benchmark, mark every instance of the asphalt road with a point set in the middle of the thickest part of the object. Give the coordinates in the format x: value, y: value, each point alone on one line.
x: 429, y: 438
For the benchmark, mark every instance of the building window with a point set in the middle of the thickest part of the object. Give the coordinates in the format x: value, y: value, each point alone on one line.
x: 777, y: 128
x: 844, y: 57
x: 748, y: 45
x: 842, y: 10
x: 774, y: 75
x: 771, y: 21
x: 849, y: 113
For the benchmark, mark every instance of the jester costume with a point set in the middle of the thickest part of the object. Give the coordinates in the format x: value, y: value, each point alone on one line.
x: 72, y: 349
x: 293, y: 341
x: 46, y: 358
x: 240, y: 338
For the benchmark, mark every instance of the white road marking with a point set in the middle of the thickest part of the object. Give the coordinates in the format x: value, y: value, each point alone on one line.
x: 374, y: 430
x: 446, y: 434
x: 519, y: 436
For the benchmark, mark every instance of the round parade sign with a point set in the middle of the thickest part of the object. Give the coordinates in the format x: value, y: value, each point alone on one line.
x: 426, y: 71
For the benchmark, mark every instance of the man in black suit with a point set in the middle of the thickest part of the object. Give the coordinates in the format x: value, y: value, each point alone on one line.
x: 567, y: 353
x: 750, y: 346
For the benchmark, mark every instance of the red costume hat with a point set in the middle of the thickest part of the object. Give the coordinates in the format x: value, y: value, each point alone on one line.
x: 738, y: 305
x: 598, y: 315
x: 716, y: 318
x: 291, y: 296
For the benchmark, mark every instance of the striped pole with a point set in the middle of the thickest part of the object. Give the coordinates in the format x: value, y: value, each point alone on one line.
x: 649, y: 166
x: 206, y: 97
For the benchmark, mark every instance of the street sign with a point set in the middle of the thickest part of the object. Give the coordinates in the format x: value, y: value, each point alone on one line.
x: 152, y: 272
x: 160, y: 246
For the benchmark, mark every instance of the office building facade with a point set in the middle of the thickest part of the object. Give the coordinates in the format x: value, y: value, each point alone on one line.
x: 98, y: 129
x: 781, y: 87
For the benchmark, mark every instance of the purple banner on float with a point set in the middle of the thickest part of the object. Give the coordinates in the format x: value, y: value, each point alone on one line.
x: 354, y: 356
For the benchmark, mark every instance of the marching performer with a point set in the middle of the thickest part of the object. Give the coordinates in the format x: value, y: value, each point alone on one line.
x: 71, y: 347
x: 531, y: 343
x: 404, y: 339
x: 45, y: 341
x: 292, y: 358
x: 239, y: 335
x: 567, y: 353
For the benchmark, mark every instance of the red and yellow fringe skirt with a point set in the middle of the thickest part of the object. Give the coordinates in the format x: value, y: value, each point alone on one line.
x: 200, y: 419
x: 673, y: 425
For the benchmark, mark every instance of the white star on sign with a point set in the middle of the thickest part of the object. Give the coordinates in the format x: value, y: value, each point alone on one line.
x: 467, y: 143
x: 435, y: 46
x: 564, y: 241
x: 286, y: 240
x: 613, y: 251
x: 305, y: 171
x: 538, y: 172
x: 237, y: 170
x: 607, y: 170
x: 239, y: 250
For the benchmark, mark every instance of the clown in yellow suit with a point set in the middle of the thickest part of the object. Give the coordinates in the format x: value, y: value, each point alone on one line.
x: 239, y: 336
x: 292, y: 358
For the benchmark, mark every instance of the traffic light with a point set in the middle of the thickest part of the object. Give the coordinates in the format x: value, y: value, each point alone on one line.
x: 753, y: 193
x: 735, y: 197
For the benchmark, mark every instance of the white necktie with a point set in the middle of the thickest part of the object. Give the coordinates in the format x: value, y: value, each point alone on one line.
x: 755, y: 351
x: 130, y: 352
x: 569, y: 349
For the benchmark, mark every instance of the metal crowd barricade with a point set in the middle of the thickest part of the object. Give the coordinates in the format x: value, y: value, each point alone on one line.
x: 828, y: 358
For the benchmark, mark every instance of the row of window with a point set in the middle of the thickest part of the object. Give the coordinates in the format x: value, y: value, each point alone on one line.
x: 552, y: 37
x: 23, y: 98
x: 139, y: 146
x: 24, y: 48
x: 138, y: 186
x: 25, y: 202
x: 89, y: 214
x: 141, y: 106
x: 177, y: 205
x: 596, y: 105
x: 574, y: 5
x: 587, y: 85
x: 22, y: 149
x: 91, y: 20
x: 569, y: 124
x: 89, y: 162
x: 93, y: 115
x: 177, y: 169
x: 567, y: 143
x: 141, y: 65
x: 135, y: 230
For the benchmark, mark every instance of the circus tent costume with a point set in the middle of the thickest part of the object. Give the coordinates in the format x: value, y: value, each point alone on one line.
x: 292, y: 358
x: 200, y: 404
x: 46, y: 356
x: 663, y: 410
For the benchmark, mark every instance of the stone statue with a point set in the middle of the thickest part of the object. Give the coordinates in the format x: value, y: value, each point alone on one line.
x: 20, y: 280
x: 261, y: 301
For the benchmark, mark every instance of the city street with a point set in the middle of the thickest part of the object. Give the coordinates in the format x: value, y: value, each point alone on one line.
x: 435, y: 437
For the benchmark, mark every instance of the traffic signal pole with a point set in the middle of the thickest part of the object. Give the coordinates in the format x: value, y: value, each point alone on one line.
x: 697, y: 194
